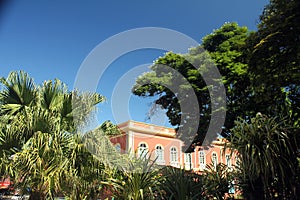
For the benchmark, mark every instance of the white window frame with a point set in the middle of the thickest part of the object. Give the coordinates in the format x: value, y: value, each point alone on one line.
x: 159, y: 154
x: 214, y: 159
x: 202, y: 158
x: 228, y: 160
x: 174, y: 157
x: 142, y: 151
x: 188, y: 161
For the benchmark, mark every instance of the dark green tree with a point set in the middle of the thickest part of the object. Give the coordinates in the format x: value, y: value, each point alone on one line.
x: 274, y: 55
x: 226, y: 46
x: 224, y: 49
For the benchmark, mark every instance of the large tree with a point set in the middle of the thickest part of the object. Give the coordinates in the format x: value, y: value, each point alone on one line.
x: 273, y: 57
x: 274, y: 60
x: 223, y: 49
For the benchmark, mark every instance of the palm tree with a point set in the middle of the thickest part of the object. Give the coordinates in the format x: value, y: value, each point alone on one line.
x: 19, y: 92
x: 18, y: 96
x: 39, y: 147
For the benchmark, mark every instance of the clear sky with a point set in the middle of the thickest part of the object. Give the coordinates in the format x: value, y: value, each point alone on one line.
x: 50, y: 39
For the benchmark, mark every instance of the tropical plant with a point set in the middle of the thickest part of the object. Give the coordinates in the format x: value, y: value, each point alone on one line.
x: 266, y: 157
x: 143, y: 181
x: 217, y: 180
x: 39, y: 148
x: 110, y: 129
x: 180, y: 184
x: 42, y: 164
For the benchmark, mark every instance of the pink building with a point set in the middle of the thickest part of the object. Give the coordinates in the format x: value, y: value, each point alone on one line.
x: 161, y: 144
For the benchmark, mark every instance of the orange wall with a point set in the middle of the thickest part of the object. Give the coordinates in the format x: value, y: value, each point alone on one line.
x: 120, y: 140
x: 152, y: 141
x: 138, y: 132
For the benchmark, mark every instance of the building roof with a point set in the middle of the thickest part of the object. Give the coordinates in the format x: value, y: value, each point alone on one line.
x: 145, y: 128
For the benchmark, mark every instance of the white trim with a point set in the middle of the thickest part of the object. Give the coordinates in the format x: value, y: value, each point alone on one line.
x: 174, y: 163
x: 215, y: 164
x: 229, y: 165
x: 162, y: 160
x: 142, y: 135
x: 145, y: 151
x: 188, y: 165
x: 130, y: 142
x: 202, y: 165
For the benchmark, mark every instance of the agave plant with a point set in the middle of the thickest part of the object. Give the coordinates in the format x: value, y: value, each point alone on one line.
x: 218, y: 179
x: 143, y: 181
x: 266, y: 155
x: 180, y: 184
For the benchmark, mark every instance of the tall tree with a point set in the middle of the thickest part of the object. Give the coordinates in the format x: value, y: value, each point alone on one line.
x: 224, y: 48
x: 274, y: 60
x: 273, y: 57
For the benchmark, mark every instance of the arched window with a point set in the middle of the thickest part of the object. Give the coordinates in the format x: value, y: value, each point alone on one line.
x: 142, y: 150
x: 173, y: 155
x: 202, y: 161
x: 118, y: 147
x: 228, y: 160
x: 188, y: 161
x: 159, y: 153
x: 214, y: 159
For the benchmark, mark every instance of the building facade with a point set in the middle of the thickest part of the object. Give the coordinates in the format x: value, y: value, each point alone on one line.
x: 162, y: 145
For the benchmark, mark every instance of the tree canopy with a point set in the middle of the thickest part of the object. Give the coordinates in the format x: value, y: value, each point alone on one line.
x: 273, y: 56
x: 225, y: 49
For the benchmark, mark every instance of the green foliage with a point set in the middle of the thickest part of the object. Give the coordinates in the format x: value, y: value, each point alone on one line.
x: 273, y: 56
x: 139, y: 183
x: 217, y: 180
x: 42, y: 163
x: 164, y: 77
x: 110, y: 129
x: 225, y: 50
x: 226, y: 46
x: 180, y: 184
x: 19, y: 92
x: 38, y: 145
x: 266, y: 155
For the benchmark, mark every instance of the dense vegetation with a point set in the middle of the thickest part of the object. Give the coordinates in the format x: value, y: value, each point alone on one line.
x: 260, y: 72
x: 42, y: 151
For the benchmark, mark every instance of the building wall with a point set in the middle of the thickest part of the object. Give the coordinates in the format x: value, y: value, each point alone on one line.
x: 217, y: 148
x: 153, y: 141
x: 137, y: 135
x: 120, y: 140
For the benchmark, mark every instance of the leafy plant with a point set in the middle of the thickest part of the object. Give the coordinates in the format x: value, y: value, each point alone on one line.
x: 266, y: 155
x: 217, y: 180
x: 180, y: 184
x: 143, y: 181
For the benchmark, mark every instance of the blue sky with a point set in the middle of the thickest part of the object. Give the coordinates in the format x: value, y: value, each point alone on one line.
x: 50, y: 39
